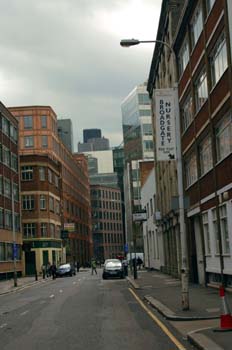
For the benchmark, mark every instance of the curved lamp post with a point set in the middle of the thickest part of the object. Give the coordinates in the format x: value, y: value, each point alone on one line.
x: 183, y: 235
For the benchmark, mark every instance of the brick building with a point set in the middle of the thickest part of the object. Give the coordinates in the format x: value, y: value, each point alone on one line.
x: 201, y: 41
x: 202, y: 46
x: 9, y: 202
x: 107, y: 222
x: 68, y: 185
x: 41, y: 211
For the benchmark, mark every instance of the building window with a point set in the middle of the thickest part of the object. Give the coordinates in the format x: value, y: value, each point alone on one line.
x: 51, y: 203
x: 206, y: 159
x: 52, y: 230
x: 27, y: 173
x: 224, y: 230
x: 2, y: 251
x: 206, y: 233
x: 43, y: 229
x: 14, y: 162
x: 57, y: 207
x: 1, y: 184
x: 28, y: 141
x: 13, y: 133
x: 28, y: 123
x: 6, y: 156
x: 215, y: 230
x: 218, y: 59
x: 147, y: 129
x: 29, y: 230
x: 8, y: 219
x: 196, y: 25
x: 144, y: 99
x: 43, y: 121
x: 200, y: 90
x: 187, y: 112
x: 209, y: 5
x: 224, y: 137
x: 49, y: 176
x: 44, y: 141
x: 6, y: 126
x: 42, y: 174
x: 183, y: 57
x: 7, y: 188
x: 16, y: 192
x: 191, y: 169
x: 42, y: 202
x: 28, y: 202
x: 56, y: 180
x: 1, y: 217
x: 148, y: 145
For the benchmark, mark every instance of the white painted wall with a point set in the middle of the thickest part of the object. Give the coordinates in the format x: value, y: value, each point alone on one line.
x: 153, y: 244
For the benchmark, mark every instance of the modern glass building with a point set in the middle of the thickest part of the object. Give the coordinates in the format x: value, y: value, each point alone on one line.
x: 138, y: 146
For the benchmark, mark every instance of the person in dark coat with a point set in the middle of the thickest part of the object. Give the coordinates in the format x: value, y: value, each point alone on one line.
x: 53, y: 270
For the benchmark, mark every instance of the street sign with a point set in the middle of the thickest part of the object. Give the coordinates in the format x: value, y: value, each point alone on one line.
x: 140, y: 216
x: 69, y: 226
x: 165, y: 124
x: 126, y: 248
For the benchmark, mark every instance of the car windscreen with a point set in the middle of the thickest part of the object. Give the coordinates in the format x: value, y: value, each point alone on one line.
x: 113, y: 264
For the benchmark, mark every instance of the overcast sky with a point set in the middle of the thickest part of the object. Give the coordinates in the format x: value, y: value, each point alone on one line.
x: 66, y: 54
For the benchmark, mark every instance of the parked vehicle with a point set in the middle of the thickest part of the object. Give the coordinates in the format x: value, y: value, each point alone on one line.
x: 65, y: 270
x: 113, y: 268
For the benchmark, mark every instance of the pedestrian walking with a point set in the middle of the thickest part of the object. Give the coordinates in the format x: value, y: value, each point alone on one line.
x: 53, y: 270
x: 139, y: 262
x: 43, y: 268
x: 94, y: 266
x: 48, y: 269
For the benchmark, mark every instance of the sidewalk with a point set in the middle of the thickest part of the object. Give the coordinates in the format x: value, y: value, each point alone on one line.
x: 163, y: 292
x: 7, y: 286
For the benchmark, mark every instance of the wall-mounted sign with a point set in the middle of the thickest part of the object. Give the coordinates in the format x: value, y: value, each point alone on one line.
x: 70, y: 227
x: 140, y: 216
x: 165, y: 111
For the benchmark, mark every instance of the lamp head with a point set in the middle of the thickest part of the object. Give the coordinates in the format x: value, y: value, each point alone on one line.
x: 129, y: 42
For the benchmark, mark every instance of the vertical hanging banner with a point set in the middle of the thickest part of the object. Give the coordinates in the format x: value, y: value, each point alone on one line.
x: 165, y: 124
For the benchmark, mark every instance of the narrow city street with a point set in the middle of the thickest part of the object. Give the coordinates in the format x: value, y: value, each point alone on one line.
x: 82, y: 312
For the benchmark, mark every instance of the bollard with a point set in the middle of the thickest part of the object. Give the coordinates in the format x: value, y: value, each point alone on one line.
x: 36, y: 275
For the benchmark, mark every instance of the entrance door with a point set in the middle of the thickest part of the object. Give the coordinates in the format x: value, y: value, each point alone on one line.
x: 193, y: 270
x: 45, y: 257
x: 30, y: 263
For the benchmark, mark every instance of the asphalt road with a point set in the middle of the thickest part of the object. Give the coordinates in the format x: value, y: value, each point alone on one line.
x: 81, y: 312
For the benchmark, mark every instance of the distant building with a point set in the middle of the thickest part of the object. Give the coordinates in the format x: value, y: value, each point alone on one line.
x: 91, y: 134
x: 65, y: 132
x: 106, y: 222
x: 9, y: 196
x: 94, y: 144
x: 93, y: 141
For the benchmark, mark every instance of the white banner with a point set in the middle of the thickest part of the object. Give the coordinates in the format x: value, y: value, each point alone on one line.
x: 165, y: 124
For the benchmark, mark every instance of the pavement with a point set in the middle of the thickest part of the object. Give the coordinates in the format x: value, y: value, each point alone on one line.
x: 201, y: 323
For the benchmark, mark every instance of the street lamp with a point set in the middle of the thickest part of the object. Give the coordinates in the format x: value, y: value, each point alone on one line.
x: 183, y: 235
x: 13, y: 232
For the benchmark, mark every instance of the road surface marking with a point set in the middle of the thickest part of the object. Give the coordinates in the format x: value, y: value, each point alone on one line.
x: 24, y: 313
x: 3, y: 325
x: 158, y: 322
x: 74, y: 282
x: 52, y: 296
x: 42, y: 302
x: 61, y: 291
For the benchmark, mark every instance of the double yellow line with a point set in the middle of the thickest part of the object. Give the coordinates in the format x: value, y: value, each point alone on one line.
x: 158, y: 322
